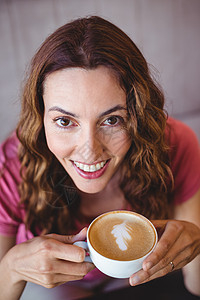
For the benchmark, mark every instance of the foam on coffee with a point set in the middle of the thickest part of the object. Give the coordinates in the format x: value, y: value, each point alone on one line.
x: 122, y: 235
x: 122, y: 232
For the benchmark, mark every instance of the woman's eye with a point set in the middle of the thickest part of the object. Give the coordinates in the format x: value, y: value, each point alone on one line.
x: 112, y: 121
x: 64, y: 122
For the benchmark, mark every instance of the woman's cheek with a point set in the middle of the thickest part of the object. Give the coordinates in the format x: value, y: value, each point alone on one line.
x: 120, y: 143
x: 55, y: 145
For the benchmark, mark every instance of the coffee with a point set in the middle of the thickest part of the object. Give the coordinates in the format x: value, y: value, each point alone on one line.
x: 122, y: 235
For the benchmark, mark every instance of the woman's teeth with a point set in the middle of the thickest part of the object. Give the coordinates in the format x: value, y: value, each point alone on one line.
x: 90, y: 168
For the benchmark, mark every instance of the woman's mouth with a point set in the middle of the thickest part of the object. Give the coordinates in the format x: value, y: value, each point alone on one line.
x: 91, y: 171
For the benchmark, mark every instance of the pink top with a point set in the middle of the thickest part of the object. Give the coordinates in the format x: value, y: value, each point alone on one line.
x: 185, y: 163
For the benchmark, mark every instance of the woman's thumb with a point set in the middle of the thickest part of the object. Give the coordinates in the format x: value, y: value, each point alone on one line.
x: 81, y: 236
x: 69, y: 239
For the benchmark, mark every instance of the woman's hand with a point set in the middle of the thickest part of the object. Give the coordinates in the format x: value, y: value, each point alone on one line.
x: 48, y: 260
x: 178, y: 245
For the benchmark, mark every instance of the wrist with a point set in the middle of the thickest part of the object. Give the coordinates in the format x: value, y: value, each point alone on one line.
x: 11, y: 285
x: 9, y: 268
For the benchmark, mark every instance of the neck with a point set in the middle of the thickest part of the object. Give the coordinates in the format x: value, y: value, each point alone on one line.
x: 111, y: 198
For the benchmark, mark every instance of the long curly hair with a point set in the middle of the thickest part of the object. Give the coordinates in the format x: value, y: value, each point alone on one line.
x: 47, y: 192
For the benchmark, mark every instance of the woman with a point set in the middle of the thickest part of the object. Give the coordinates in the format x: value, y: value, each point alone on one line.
x: 93, y: 137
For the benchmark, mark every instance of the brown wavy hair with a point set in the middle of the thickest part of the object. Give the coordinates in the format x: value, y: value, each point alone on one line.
x: 47, y: 192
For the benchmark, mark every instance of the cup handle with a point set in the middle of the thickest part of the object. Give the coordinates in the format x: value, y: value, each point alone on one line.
x: 85, y: 247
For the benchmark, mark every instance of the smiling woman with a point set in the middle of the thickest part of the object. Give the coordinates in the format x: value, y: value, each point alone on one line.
x: 80, y: 70
x: 93, y: 137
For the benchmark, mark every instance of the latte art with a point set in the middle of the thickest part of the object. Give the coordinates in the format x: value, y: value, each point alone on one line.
x: 122, y: 234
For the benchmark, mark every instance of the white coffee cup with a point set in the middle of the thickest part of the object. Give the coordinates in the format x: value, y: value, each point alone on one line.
x: 132, y: 233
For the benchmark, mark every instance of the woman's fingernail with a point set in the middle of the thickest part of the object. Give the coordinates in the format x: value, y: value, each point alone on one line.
x: 134, y: 280
x: 79, y: 234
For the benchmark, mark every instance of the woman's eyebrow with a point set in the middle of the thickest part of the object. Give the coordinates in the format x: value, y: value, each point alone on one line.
x: 111, y: 110
x: 107, y: 112
x: 63, y: 111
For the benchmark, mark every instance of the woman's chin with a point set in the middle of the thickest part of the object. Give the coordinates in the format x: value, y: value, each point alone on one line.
x: 90, y: 187
x: 90, y: 190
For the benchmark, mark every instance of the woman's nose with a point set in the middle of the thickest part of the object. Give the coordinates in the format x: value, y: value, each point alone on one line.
x: 90, y: 148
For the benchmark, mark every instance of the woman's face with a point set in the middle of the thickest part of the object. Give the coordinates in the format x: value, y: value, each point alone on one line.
x: 85, y: 118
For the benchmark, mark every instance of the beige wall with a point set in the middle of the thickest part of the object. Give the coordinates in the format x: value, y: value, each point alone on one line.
x: 167, y: 32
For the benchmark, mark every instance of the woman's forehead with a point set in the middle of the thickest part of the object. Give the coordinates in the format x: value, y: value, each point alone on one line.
x: 80, y: 87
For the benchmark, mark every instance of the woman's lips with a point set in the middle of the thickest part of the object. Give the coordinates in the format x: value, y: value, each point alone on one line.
x: 93, y: 171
